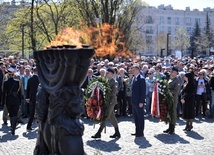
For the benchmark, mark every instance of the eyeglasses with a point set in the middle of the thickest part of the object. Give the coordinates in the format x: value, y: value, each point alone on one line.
x: 149, y: 73
x: 200, y: 74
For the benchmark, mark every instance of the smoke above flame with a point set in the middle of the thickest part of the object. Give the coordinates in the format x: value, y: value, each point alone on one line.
x: 106, y: 39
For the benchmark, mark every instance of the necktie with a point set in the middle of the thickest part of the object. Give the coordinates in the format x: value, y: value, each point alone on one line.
x: 133, y: 81
x: 26, y: 79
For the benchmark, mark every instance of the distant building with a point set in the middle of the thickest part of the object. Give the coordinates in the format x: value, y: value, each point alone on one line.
x: 164, y: 19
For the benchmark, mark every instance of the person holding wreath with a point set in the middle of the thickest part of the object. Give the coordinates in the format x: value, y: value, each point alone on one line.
x: 174, y: 88
x: 112, y: 103
x: 187, y: 100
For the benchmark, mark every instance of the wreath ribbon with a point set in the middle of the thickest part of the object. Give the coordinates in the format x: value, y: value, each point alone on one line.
x: 155, y: 108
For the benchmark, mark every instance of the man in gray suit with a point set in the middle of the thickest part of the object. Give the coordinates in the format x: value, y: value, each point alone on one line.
x: 112, y: 103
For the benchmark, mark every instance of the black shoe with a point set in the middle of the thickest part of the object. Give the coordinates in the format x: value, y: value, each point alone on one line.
x: 116, y: 135
x: 20, y: 121
x: 185, y: 129
x: 190, y: 128
x: 96, y: 136
x: 12, y: 132
x: 166, y: 131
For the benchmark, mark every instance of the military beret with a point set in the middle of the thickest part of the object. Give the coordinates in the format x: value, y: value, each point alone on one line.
x: 175, y: 69
x: 110, y: 70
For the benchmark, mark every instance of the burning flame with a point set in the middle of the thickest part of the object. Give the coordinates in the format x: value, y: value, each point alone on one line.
x: 70, y: 36
x: 105, y: 38
x: 108, y: 41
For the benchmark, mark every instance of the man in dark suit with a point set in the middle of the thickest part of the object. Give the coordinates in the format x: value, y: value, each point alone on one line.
x: 88, y: 78
x: 31, y: 92
x: 138, y: 99
x: 121, y: 97
x: 90, y: 75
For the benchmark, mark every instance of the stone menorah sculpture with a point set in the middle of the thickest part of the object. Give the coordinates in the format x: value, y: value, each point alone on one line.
x: 61, y: 71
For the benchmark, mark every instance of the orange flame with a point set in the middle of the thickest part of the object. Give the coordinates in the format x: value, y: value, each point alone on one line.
x: 108, y: 41
x: 70, y: 36
x: 105, y: 38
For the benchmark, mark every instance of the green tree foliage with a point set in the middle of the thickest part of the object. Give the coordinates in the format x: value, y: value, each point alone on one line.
x: 202, y: 39
x: 49, y: 17
x: 207, y: 35
x: 196, y: 39
x: 38, y: 24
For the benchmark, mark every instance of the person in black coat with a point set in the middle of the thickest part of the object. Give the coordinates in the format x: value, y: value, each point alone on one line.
x: 31, y: 92
x: 187, y: 99
x: 1, y: 80
x: 12, y: 97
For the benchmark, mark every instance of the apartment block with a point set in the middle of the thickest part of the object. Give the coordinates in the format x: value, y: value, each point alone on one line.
x: 165, y: 20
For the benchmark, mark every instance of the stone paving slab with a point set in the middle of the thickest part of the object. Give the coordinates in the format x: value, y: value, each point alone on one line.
x: 200, y: 141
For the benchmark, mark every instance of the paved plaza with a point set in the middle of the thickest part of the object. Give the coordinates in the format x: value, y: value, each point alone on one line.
x: 200, y: 141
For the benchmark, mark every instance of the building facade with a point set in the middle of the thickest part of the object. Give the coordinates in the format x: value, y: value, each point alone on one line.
x: 160, y: 26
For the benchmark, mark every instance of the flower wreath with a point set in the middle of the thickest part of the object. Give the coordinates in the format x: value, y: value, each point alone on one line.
x: 162, y: 101
x: 97, y: 98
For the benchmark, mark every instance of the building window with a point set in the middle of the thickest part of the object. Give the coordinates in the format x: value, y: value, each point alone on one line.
x: 161, y: 18
x: 149, y: 20
x: 188, y: 20
x: 168, y: 20
x: 161, y: 28
x: 198, y: 20
x: 176, y: 29
x: 169, y: 29
x: 149, y: 30
x: 189, y: 30
x: 176, y: 20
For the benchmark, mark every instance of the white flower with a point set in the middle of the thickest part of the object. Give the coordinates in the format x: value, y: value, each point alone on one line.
x: 164, y: 86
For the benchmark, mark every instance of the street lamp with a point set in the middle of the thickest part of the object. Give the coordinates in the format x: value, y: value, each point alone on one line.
x: 22, y: 27
x: 162, y: 49
x: 167, y: 44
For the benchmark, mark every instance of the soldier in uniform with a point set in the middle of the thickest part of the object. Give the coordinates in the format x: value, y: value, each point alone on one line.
x: 174, y: 88
x: 12, y: 97
x: 113, y: 102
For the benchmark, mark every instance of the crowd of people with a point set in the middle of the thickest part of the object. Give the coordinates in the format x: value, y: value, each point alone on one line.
x: 19, y: 82
x: 191, y: 82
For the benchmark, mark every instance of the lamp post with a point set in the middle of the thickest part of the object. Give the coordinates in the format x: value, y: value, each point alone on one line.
x: 162, y: 49
x: 23, y: 44
x: 167, y: 44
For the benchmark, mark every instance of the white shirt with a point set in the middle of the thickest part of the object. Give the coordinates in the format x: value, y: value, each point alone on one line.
x: 200, y: 90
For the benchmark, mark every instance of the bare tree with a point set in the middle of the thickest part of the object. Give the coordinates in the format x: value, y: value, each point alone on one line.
x: 131, y: 24
x: 160, y: 42
x: 106, y: 10
x: 182, y: 40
